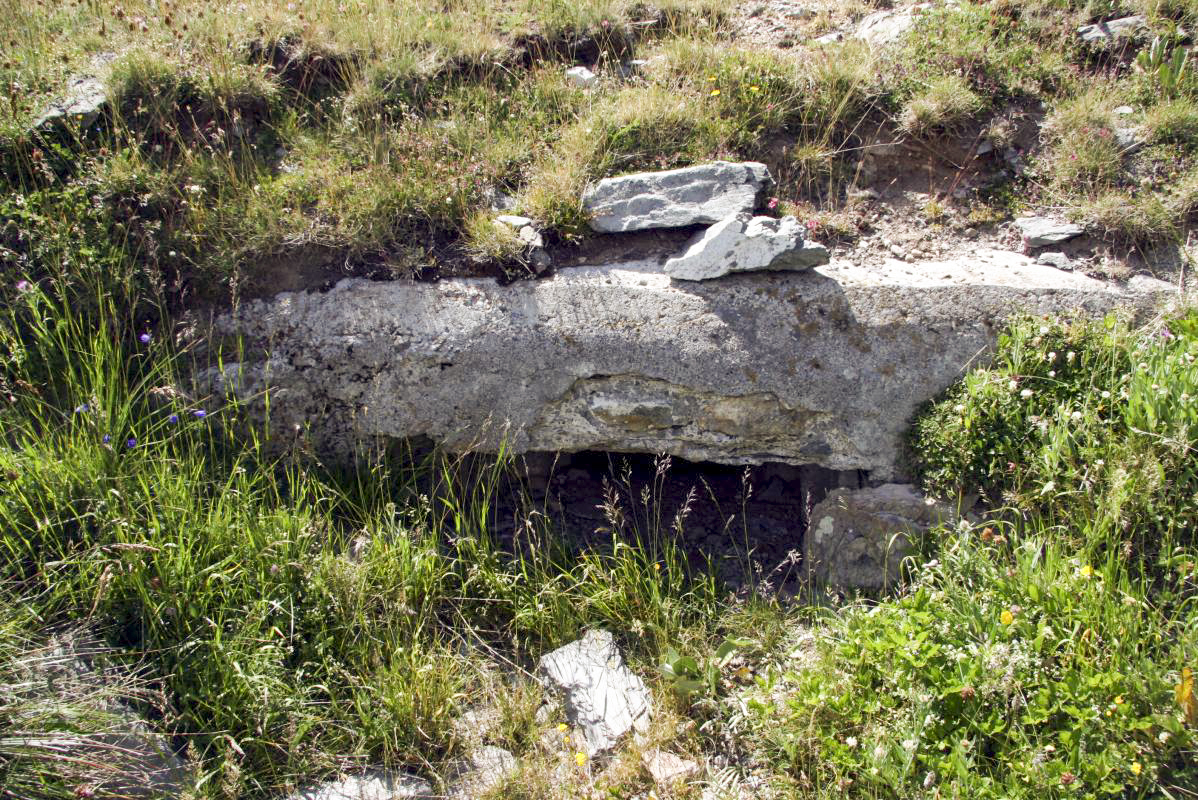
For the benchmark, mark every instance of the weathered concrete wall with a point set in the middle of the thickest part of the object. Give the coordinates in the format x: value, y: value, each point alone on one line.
x: 820, y: 367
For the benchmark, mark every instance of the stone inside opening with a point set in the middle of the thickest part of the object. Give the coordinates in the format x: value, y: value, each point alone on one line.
x: 748, y: 520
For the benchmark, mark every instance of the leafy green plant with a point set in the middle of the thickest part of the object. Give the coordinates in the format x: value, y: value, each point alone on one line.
x: 1164, y: 65
x: 688, y: 676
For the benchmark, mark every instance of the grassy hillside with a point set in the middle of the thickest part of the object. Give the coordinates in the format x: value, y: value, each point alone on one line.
x: 252, y: 144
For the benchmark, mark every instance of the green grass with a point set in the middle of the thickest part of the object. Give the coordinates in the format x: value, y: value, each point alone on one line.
x: 1041, y: 651
x: 273, y: 136
x: 299, y: 620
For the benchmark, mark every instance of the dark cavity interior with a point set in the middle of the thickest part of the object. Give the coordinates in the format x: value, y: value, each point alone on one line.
x: 749, y: 521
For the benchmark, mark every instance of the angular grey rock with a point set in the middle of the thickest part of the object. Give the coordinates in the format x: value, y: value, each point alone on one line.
x: 1040, y: 231
x: 581, y: 77
x: 823, y: 366
x: 132, y: 759
x: 857, y: 538
x: 742, y: 243
x: 675, y: 198
x: 669, y: 770
x: 374, y: 784
x: 1054, y: 259
x: 883, y: 27
x: 528, y: 234
x: 483, y: 771
x: 604, y: 700
x: 84, y: 101
x: 1102, y: 31
x: 1128, y: 139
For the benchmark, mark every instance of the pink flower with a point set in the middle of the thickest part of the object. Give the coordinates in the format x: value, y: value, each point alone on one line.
x: 24, y: 286
x: 812, y: 224
x: 772, y: 204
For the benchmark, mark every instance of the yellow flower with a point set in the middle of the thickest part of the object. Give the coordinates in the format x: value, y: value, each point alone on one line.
x: 1006, y: 617
x: 711, y: 77
x: 1119, y: 700
x: 580, y: 758
x: 1086, y: 571
x: 561, y: 726
x: 657, y: 566
x: 1136, y: 768
x: 754, y: 88
x: 715, y: 92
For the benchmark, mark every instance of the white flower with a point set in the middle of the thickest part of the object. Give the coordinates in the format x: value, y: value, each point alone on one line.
x: 1075, y: 415
x: 851, y: 741
x: 1026, y: 393
x: 1012, y: 386
x: 1043, y: 330
x: 1105, y: 394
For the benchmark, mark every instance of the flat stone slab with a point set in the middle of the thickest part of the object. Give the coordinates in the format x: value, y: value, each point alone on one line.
x: 1041, y: 231
x: 1102, y: 31
x: 742, y: 243
x: 824, y: 366
x: 375, y: 784
x: 481, y: 772
x: 604, y: 700
x: 675, y: 198
x: 85, y: 99
x: 884, y: 27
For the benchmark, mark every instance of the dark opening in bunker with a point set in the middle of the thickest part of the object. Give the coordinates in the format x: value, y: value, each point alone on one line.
x: 748, y: 522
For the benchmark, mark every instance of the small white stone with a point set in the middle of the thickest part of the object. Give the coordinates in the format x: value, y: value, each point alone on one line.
x: 513, y: 221
x: 581, y: 77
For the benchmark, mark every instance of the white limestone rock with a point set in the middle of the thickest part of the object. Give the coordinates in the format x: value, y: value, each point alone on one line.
x: 133, y: 760
x: 884, y: 27
x: 1041, y: 231
x: 1104, y: 31
x: 742, y: 243
x: 581, y: 77
x: 604, y: 700
x: 85, y: 99
x: 483, y: 771
x: 513, y: 221
x: 857, y: 538
x: 668, y: 770
x: 675, y: 198
x: 372, y: 784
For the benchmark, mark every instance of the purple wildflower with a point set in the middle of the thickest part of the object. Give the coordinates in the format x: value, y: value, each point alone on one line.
x: 173, y: 419
x: 200, y: 413
x: 144, y: 338
x: 82, y: 408
x: 24, y: 286
x: 106, y: 439
x: 130, y: 443
x: 1165, y: 333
